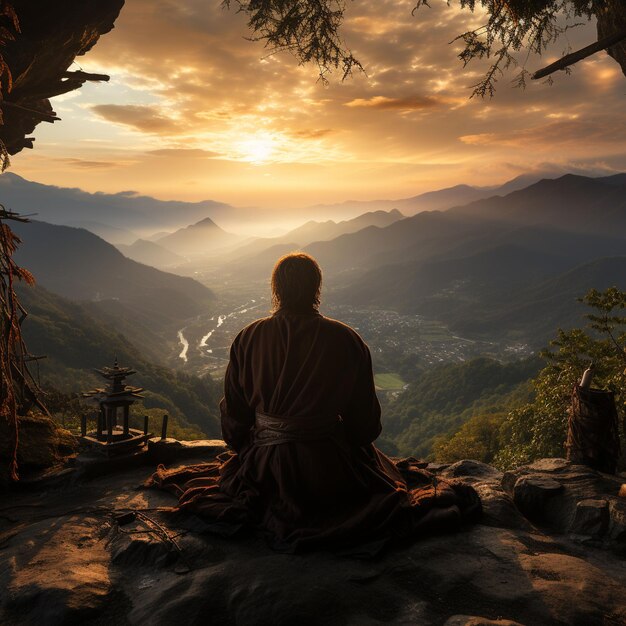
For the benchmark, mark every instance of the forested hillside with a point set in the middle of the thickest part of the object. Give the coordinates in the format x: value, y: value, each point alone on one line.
x: 443, y: 398
x: 77, y: 264
x: 74, y: 343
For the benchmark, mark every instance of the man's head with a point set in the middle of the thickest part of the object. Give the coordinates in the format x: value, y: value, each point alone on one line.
x: 296, y: 283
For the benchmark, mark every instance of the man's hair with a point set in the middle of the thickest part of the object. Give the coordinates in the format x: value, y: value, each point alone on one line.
x: 296, y: 283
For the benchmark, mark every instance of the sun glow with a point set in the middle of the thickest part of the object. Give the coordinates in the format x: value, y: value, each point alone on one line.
x: 257, y: 149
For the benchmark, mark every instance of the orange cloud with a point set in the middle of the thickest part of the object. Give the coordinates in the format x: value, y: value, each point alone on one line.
x: 598, y: 130
x: 409, y: 103
x: 480, y: 139
x: 86, y: 164
x: 143, y: 118
x: 312, y: 133
x: 189, y: 153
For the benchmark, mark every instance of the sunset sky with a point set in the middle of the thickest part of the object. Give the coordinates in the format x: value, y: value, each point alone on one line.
x: 195, y: 111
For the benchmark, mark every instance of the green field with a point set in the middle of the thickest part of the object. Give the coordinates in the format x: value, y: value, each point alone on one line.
x: 434, y: 331
x: 388, y: 382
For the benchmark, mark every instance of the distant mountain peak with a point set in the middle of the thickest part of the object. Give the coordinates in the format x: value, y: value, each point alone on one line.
x: 197, y: 239
x: 206, y: 222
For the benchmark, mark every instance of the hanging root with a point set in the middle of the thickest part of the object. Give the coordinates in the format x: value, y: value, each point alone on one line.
x: 18, y: 388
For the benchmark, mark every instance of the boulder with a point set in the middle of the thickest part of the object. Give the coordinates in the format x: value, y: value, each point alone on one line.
x: 499, y: 510
x: 498, y: 507
x: 42, y: 445
x: 617, y: 521
x: 591, y: 518
x: 57, y: 571
x: 472, y: 469
x: 568, y: 498
x: 532, y: 494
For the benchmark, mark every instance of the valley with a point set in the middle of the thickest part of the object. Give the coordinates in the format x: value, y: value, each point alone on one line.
x: 453, y: 302
x: 396, y: 340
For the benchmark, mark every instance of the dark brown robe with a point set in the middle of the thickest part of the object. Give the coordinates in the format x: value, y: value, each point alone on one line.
x: 335, y: 490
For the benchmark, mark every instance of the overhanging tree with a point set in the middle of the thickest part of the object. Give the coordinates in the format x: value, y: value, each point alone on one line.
x: 311, y: 30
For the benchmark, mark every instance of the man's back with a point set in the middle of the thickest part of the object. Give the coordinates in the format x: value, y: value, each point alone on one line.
x: 302, y: 365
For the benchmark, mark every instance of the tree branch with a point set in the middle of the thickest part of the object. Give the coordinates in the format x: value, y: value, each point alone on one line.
x: 40, y: 115
x: 579, y: 55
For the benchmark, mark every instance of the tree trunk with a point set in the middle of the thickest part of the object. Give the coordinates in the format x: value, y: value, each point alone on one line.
x: 610, y: 19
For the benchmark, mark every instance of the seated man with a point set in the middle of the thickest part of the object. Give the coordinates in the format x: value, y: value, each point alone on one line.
x: 300, y: 414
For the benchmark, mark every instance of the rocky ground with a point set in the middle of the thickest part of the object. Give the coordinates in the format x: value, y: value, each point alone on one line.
x: 550, y: 550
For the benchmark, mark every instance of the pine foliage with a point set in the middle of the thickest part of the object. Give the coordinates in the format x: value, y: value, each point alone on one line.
x: 513, y: 26
x: 311, y: 30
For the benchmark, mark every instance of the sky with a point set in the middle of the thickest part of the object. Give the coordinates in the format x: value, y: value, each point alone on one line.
x: 195, y: 110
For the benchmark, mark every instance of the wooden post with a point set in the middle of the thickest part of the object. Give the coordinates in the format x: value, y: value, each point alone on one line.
x: 145, y: 425
x: 593, y: 434
x: 164, y: 427
x: 126, y: 411
x: 101, y: 422
x: 83, y: 424
x: 110, y: 413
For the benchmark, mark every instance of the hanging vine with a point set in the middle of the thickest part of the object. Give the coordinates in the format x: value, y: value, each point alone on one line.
x: 18, y: 389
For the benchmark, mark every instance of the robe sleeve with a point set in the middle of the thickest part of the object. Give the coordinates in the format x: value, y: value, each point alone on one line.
x: 362, y: 414
x: 236, y: 415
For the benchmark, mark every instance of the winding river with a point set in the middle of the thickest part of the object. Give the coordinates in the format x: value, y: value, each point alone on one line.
x: 185, y: 345
x: 203, y: 343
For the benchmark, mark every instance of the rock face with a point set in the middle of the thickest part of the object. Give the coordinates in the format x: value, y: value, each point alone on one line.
x: 42, y: 444
x: 101, y: 552
x: 52, y: 33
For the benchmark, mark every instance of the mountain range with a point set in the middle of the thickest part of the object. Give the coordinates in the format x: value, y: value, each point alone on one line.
x: 438, y: 200
x: 475, y: 266
x: 113, y: 215
x: 124, y: 217
x: 503, y: 269
x: 579, y: 203
x: 78, y: 265
x: 569, y: 203
x: 507, y: 265
x: 311, y: 231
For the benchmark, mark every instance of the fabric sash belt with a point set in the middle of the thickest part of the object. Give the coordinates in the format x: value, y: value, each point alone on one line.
x: 270, y: 430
